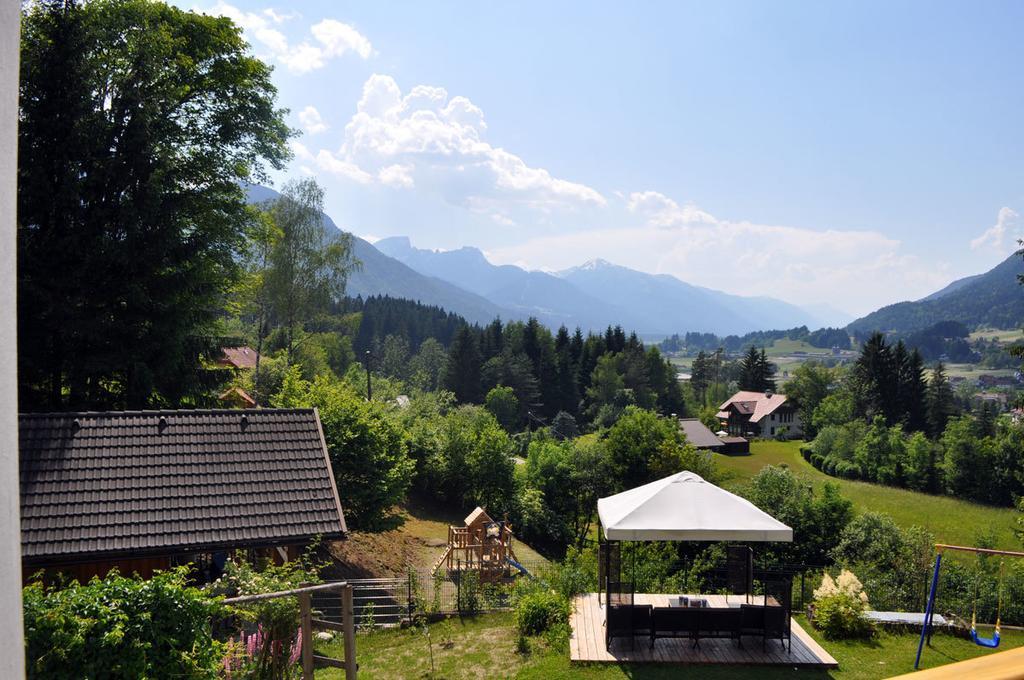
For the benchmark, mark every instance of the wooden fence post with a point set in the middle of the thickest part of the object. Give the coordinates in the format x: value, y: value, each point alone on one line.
x: 306, y: 611
x: 348, y: 621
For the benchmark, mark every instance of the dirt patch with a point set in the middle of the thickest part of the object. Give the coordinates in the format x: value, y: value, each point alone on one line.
x: 418, y: 539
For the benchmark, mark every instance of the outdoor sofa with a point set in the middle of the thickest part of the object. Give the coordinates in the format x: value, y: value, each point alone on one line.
x: 700, y: 623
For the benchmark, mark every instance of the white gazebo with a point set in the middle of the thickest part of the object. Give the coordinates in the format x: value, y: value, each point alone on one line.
x: 684, y: 507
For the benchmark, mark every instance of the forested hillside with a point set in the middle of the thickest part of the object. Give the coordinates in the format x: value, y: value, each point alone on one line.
x: 993, y: 299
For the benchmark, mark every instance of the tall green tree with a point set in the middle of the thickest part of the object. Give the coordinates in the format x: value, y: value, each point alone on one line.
x: 756, y: 372
x: 368, y: 452
x: 912, y: 392
x: 138, y: 122
x: 940, y: 403
x: 808, y: 386
x: 701, y: 375
x: 462, y: 370
x: 874, y: 377
x: 308, y: 266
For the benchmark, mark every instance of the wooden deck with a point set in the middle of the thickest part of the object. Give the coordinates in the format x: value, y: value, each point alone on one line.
x: 587, y: 641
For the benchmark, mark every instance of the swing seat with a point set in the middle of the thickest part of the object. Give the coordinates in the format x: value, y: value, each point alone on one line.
x: 991, y: 642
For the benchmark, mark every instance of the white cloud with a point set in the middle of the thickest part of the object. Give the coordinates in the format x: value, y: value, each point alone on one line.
x: 311, y: 121
x: 330, y: 38
x: 328, y: 162
x: 396, y: 176
x: 427, y: 139
x: 1001, y: 236
x: 853, y: 270
x: 337, y: 38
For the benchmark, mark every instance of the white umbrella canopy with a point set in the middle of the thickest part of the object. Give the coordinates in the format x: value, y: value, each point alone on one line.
x: 684, y: 507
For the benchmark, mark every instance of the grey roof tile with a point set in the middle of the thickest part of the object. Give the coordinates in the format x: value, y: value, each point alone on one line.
x: 96, y: 484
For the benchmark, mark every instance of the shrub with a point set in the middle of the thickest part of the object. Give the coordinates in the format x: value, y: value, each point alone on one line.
x: 271, y: 647
x: 540, y: 611
x: 120, y: 627
x: 839, y: 607
x: 469, y: 592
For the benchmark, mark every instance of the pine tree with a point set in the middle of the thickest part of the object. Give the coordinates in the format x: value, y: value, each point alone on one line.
x: 756, y: 372
x: 462, y: 372
x: 912, y: 391
x: 700, y: 377
x: 765, y: 372
x: 941, y: 406
x: 875, y: 377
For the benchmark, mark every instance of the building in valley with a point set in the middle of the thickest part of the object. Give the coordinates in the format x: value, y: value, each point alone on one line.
x: 760, y: 414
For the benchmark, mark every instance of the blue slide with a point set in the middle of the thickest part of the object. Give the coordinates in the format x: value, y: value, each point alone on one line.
x: 518, y: 566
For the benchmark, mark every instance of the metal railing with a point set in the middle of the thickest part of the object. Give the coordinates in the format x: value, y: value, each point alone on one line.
x: 393, y: 601
x: 344, y: 623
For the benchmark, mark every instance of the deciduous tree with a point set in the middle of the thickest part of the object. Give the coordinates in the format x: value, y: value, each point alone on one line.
x: 138, y: 122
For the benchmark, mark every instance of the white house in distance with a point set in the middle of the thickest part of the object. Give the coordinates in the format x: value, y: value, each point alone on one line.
x: 763, y: 414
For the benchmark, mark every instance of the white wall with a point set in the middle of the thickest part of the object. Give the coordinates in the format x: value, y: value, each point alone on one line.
x: 12, y: 649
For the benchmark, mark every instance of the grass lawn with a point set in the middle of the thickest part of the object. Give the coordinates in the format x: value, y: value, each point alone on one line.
x: 485, y: 647
x: 950, y: 520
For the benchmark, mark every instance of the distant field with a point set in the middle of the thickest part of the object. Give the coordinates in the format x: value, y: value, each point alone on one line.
x: 1003, y: 336
x: 950, y: 520
x: 784, y: 346
x: 973, y: 371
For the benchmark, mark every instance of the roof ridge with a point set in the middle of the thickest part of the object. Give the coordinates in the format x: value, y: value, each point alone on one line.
x: 164, y: 412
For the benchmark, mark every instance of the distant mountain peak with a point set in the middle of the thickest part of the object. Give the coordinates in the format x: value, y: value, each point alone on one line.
x: 396, y: 243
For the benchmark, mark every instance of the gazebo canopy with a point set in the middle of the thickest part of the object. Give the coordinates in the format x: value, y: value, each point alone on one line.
x: 684, y: 507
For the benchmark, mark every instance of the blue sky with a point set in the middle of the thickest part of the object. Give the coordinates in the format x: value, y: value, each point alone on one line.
x: 853, y: 154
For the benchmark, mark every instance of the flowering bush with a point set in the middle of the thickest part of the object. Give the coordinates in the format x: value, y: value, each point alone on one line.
x: 270, y: 645
x: 839, y: 607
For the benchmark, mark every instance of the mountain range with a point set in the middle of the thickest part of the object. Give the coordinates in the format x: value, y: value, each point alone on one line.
x: 994, y: 299
x: 598, y: 293
x: 592, y: 296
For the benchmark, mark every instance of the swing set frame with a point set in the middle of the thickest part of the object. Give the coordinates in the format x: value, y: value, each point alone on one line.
x: 926, y: 627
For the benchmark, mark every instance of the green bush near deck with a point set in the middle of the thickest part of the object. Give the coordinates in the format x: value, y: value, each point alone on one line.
x: 540, y: 611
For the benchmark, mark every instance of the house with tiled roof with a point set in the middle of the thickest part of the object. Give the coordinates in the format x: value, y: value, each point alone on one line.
x: 240, y: 358
x: 149, y: 490
x: 760, y: 414
x: 699, y: 435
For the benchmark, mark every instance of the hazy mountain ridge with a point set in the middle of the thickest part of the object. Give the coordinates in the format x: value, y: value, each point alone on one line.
x: 598, y: 293
x: 382, y: 275
x: 993, y: 299
x: 592, y: 296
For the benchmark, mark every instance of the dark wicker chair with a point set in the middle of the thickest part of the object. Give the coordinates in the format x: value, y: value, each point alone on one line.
x: 627, y: 620
x: 674, y: 622
x: 718, y: 622
x: 766, y: 622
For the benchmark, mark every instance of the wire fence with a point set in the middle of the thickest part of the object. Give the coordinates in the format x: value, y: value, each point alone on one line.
x: 382, y: 602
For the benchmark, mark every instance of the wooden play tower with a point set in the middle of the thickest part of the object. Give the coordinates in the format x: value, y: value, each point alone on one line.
x: 482, y: 545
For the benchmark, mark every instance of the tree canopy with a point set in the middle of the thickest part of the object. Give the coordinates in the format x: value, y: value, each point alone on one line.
x: 138, y: 123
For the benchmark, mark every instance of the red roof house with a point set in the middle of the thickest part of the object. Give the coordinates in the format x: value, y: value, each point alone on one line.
x: 763, y: 414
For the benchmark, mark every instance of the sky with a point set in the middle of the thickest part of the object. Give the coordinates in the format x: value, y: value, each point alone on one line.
x: 850, y: 154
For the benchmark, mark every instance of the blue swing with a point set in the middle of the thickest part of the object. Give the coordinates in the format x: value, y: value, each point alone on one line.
x: 990, y: 642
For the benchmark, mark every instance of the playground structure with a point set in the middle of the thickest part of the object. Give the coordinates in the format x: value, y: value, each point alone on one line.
x: 926, y: 628
x: 482, y: 545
